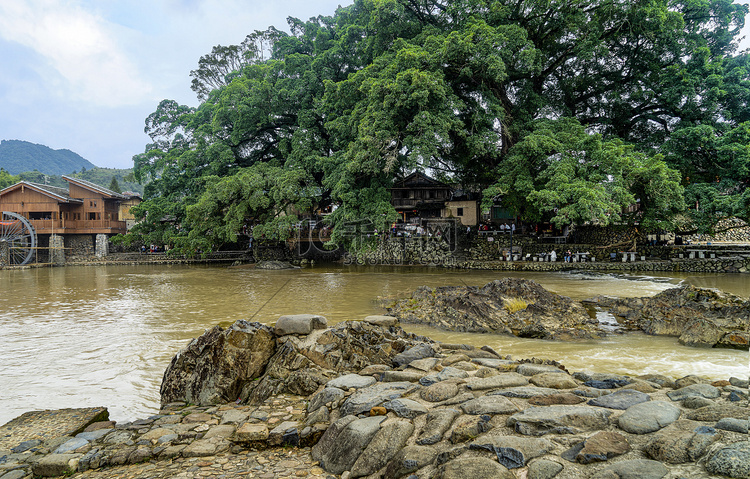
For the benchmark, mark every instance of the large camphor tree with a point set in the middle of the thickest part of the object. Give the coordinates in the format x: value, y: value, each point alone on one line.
x: 564, y: 110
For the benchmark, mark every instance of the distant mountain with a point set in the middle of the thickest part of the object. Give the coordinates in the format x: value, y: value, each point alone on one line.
x: 17, y: 156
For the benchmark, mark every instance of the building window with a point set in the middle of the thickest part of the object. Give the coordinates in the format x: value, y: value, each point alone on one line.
x: 459, y: 211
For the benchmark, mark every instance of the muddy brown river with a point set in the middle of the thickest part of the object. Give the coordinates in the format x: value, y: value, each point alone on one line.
x: 102, y: 335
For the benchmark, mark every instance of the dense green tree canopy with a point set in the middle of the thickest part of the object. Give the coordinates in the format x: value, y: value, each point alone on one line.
x: 563, y: 110
x: 6, y: 179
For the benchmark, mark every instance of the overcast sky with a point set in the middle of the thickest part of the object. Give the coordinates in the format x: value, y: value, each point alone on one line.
x: 84, y: 74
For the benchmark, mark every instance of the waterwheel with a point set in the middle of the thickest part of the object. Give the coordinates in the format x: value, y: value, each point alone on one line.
x: 17, y: 239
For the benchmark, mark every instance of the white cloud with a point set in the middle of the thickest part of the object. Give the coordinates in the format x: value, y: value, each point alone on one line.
x: 79, y: 46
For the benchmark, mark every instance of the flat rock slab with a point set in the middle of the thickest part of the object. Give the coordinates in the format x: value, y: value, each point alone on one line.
x: 327, y: 395
x: 495, y: 363
x: 349, y: 381
x: 489, y: 405
x: 553, y: 380
x: 504, y: 380
x: 524, y: 392
x: 438, y: 421
x: 381, y: 320
x: 537, y: 421
x: 648, y: 417
x: 552, y: 399
x: 622, y: 399
x: 634, y: 469
x: 367, y: 398
x: 694, y: 390
x: 45, y: 425
x: 528, y: 369
x: 716, y: 412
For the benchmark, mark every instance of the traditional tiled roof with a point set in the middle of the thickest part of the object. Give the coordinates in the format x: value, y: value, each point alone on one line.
x: 94, y: 187
x: 55, y: 192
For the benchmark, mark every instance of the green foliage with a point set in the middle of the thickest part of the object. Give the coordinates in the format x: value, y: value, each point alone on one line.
x: 568, y: 111
x: 6, y: 179
x: 114, y: 185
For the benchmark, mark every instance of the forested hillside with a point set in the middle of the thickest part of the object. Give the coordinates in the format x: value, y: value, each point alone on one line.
x: 18, y: 156
x: 567, y: 112
x: 100, y: 176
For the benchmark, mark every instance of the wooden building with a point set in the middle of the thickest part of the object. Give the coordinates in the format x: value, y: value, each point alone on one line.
x: 84, y: 208
x: 419, y: 196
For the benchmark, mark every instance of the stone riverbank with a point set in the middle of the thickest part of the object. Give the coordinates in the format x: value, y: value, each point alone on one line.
x: 366, y: 399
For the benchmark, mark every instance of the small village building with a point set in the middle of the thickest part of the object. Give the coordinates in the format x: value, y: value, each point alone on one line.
x: 418, y: 196
x: 82, y: 217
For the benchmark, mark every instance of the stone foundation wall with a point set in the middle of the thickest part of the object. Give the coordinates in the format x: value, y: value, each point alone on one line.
x: 405, y: 251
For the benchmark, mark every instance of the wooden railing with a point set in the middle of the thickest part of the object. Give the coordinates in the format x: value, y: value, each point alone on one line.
x: 78, y: 226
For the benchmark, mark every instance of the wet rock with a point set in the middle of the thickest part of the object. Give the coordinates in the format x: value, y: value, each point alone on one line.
x: 285, y: 433
x: 689, y: 380
x: 410, y: 459
x: 553, y: 380
x: 648, y: 417
x: 740, y: 383
x: 622, y: 399
x: 365, y: 399
x: 584, y: 376
x: 438, y: 422
x: 633, y: 469
x: 504, y: 380
x: 25, y: 446
x: 439, y: 391
x: 474, y: 467
x: 349, y: 381
x: 274, y: 265
x: 607, y: 383
x: 694, y: 390
x: 537, y: 421
x: 299, y: 324
x: 214, y: 367
x: 386, y: 443
x: 731, y: 461
x: 340, y: 447
x: 493, y: 363
x: 406, y: 408
x: 681, y: 442
x: 489, y: 405
x: 602, y: 446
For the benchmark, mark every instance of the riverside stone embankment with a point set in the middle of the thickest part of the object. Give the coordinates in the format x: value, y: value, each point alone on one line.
x: 374, y: 401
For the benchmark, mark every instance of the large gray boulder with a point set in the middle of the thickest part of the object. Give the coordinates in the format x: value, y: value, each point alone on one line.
x: 299, y: 324
x: 214, y: 368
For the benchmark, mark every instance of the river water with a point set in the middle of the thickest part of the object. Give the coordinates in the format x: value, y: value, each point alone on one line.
x: 103, y: 335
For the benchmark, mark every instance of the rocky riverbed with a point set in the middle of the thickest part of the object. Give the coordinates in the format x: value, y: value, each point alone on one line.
x: 366, y: 399
x: 697, y: 316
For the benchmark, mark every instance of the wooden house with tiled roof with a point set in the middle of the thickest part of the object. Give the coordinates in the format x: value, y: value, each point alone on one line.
x: 84, y: 208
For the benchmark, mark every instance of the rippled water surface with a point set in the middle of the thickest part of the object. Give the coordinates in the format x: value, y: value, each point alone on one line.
x: 102, y: 336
